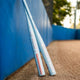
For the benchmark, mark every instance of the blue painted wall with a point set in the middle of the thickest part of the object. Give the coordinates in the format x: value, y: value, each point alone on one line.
x: 15, y: 44
x: 61, y: 33
x: 78, y: 34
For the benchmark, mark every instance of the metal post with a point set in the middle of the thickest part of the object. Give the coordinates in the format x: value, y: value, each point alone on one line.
x: 75, y: 11
x: 75, y: 19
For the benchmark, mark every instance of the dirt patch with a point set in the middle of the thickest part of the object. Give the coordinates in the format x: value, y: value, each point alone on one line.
x: 65, y: 56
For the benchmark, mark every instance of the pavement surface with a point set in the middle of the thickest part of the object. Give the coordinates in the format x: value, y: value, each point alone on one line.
x: 65, y: 56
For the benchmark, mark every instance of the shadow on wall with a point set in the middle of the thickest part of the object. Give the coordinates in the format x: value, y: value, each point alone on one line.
x: 61, y: 33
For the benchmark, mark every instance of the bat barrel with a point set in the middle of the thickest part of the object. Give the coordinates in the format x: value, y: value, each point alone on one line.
x: 40, y: 43
x: 35, y: 49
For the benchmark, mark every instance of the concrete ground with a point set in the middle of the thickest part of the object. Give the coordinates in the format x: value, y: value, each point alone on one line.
x: 65, y: 56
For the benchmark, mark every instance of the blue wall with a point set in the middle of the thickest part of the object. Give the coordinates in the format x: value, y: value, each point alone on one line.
x: 61, y: 33
x: 15, y: 44
x: 78, y: 34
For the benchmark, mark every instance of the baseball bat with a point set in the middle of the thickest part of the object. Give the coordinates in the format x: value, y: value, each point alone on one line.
x: 35, y: 49
x: 41, y: 44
